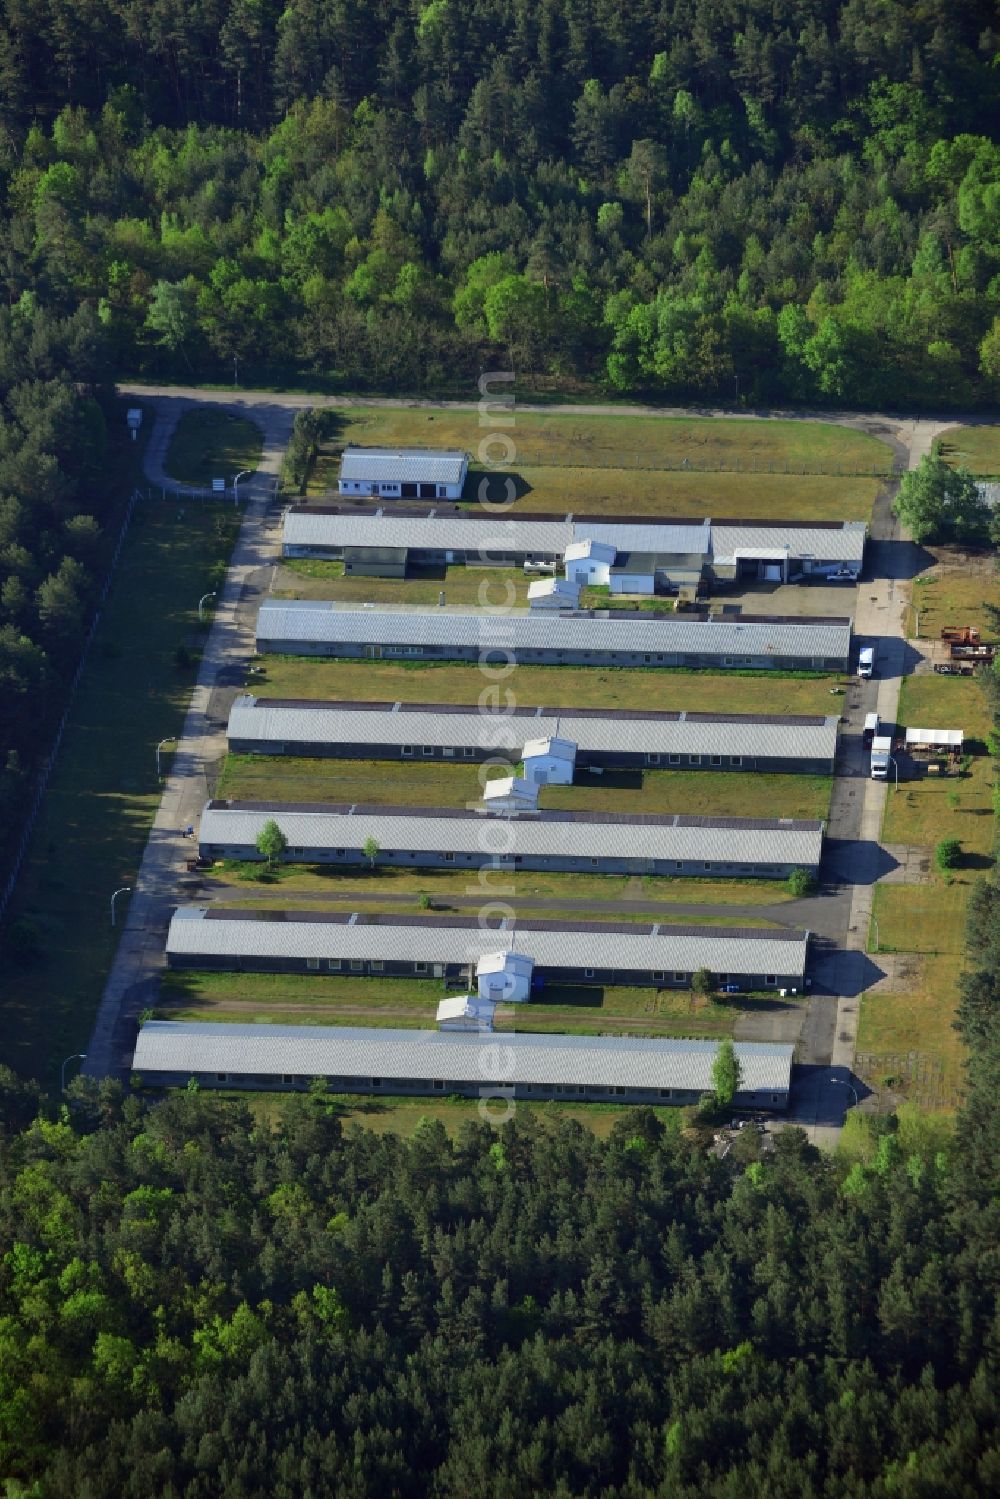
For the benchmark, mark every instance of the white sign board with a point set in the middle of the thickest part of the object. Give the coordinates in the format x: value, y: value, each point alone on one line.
x: 218, y: 486
x: 134, y: 417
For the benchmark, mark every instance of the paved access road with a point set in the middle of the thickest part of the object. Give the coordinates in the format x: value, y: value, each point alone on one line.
x: 132, y: 982
x: 826, y: 1039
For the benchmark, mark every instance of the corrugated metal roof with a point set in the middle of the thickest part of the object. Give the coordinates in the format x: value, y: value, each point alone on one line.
x: 403, y: 465
x: 846, y: 544
x: 286, y: 935
x: 283, y: 625
x: 454, y: 727
x: 339, y: 1051
x: 426, y: 533
x: 554, y: 535
x: 733, y: 841
x: 654, y: 536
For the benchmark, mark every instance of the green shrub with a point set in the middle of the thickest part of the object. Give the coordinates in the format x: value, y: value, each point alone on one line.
x: 948, y: 854
x: 802, y: 882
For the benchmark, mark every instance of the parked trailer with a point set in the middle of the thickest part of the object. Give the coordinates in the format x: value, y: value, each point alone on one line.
x: 871, y: 727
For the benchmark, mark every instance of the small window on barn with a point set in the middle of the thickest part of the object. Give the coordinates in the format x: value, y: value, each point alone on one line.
x: 694, y: 759
x: 770, y: 978
x: 420, y: 967
x: 428, y: 749
x: 377, y: 967
x: 674, y: 759
x: 680, y: 976
x: 468, y: 751
x: 588, y: 973
x: 357, y: 966
x: 220, y: 1077
x: 449, y: 858
x: 406, y: 749
x: 333, y: 964
x: 450, y: 753
x: 736, y: 759
x: 716, y: 759
x: 376, y: 1082
x: 312, y: 962
x: 439, y: 1084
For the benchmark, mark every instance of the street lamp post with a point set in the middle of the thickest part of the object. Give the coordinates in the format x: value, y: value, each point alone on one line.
x: 125, y: 889
x: 875, y: 925
x: 841, y: 1082
x: 895, y: 765
x: 243, y: 474
x: 158, y: 749
x: 201, y: 606
x: 82, y: 1055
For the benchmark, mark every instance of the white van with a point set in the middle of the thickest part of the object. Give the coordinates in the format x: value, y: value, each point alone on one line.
x: 866, y: 662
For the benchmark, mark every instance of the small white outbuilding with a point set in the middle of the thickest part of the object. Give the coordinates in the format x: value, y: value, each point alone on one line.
x: 510, y: 794
x: 465, y: 1012
x: 590, y: 562
x: 549, y: 762
x: 505, y: 977
x: 553, y: 593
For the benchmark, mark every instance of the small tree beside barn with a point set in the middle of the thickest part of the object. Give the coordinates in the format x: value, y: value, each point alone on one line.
x: 271, y: 842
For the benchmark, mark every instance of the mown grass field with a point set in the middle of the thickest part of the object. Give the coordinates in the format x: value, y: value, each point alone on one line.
x: 953, y: 592
x: 209, y: 443
x: 926, y: 810
x: 646, y: 465
x: 479, y: 587
x: 906, y: 1035
x: 908, y: 1028
x: 585, y: 439
x: 434, y: 783
x: 406, y: 884
x: 975, y: 448
x: 93, y: 827
x: 305, y: 999
x: 922, y: 918
x: 549, y: 686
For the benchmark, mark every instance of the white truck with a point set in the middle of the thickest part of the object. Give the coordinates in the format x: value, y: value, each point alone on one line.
x: 881, y: 755
x: 866, y: 662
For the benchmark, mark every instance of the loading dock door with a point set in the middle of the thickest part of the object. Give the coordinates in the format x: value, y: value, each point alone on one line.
x: 772, y: 572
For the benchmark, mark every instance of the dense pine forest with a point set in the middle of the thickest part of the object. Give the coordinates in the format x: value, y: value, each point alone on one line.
x: 194, y: 1304
x: 788, y: 200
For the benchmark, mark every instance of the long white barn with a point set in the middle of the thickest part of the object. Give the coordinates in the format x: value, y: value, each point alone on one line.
x: 609, y: 953
x: 596, y: 638
x: 604, y: 738
x: 627, y: 1070
x: 729, y: 551
x: 445, y: 837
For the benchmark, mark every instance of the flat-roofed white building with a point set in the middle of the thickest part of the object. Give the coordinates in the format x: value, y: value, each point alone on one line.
x: 618, y: 1069
x: 605, y: 738
x: 409, y: 473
